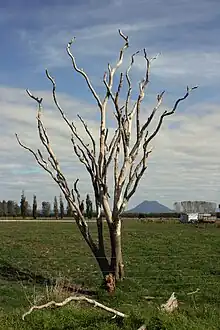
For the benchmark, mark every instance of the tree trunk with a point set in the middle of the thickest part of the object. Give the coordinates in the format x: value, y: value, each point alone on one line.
x: 116, y: 267
x: 114, y: 270
x: 103, y: 264
x: 98, y: 252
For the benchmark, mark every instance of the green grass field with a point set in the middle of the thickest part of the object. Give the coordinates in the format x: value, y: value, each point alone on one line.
x: 159, y: 258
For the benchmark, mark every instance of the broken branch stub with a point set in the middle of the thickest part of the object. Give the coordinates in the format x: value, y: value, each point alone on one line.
x: 171, y: 304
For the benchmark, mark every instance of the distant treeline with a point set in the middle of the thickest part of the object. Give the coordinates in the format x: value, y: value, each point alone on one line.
x: 11, y: 209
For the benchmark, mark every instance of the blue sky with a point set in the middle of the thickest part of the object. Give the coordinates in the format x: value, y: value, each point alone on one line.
x: 185, y: 162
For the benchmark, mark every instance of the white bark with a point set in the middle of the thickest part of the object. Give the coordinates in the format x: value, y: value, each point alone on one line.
x: 120, y: 151
x: 74, y: 298
x: 118, y: 228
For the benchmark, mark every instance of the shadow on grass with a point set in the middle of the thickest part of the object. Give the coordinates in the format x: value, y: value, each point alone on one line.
x: 9, y: 272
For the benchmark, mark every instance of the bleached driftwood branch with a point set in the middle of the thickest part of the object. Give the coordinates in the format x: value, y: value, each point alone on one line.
x: 71, y: 298
x: 188, y: 294
x: 81, y: 298
x: 193, y: 292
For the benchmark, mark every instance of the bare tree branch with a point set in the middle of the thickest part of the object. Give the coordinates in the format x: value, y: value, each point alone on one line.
x: 59, y: 177
x: 168, y: 113
x: 77, y: 191
x: 125, y: 124
x: 109, y: 85
x: 135, y: 177
x: 118, y: 64
x: 39, y: 101
x: 142, y: 86
x: 74, y: 298
x: 56, y: 101
x: 112, y: 149
x: 83, y: 73
x: 111, y: 145
x: 80, y: 153
x: 129, y: 84
x: 134, y: 150
x: 89, y: 133
x: 44, y: 164
x: 119, y: 90
x: 116, y: 170
x: 72, y: 126
x: 193, y: 292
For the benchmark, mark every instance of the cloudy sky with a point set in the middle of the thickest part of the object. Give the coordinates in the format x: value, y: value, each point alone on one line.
x: 185, y: 163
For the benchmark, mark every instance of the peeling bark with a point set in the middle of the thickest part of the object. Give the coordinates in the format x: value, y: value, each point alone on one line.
x: 117, y: 266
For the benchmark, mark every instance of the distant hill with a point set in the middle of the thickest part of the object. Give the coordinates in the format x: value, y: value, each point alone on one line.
x: 150, y: 207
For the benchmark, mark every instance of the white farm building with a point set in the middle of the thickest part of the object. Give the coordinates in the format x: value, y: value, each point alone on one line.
x: 196, y: 211
x: 197, y: 217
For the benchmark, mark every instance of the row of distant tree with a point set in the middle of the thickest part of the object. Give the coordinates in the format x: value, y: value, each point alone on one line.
x: 11, y: 208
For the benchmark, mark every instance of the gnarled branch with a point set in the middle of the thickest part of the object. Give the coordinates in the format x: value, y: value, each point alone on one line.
x: 168, y: 113
x: 85, y: 76
x: 89, y: 134
x: 58, y: 175
x: 138, y: 172
x: 73, y: 128
x: 74, y: 298
x: 109, y: 84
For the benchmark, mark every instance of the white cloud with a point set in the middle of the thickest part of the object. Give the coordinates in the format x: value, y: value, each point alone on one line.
x: 95, y: 25
x: 185, y: 162
x: 197, y: 66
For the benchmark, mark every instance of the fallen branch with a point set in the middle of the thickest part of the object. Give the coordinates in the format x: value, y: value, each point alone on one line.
x: 67, y: 300
x: 193, y: 292
x: 152, y: 298
x: 169, y: 306
x: 188, y: 294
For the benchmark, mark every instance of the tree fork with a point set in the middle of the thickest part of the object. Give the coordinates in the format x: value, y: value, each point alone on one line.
x: 121, y: 151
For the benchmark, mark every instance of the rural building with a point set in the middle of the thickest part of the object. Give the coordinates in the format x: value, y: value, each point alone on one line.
x: 196, y: 211
x: 197, y: 217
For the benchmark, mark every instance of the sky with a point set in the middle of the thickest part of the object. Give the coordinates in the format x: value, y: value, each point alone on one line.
x: 185, y: 162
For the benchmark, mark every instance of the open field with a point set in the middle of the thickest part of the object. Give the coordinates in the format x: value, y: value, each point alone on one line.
x: 159, y: 258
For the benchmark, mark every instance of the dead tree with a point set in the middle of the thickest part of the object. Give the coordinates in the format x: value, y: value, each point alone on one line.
x: 125, y: 153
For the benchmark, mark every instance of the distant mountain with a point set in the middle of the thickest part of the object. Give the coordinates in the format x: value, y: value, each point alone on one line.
x: 150, y: 207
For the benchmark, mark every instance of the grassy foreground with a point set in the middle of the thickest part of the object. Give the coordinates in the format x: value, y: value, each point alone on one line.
x: 159, y: 258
